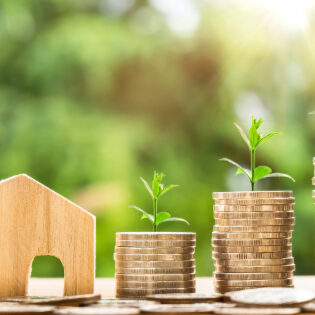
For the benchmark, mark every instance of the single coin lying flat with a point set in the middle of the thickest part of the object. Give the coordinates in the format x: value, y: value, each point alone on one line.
x: 273, y: 296
x: 256, y: 311
x: 185, y: 298
x: 126, y: 303
x: 54, y: 300
x: 178, y: 309
x: 6, y: 308
x: 97, y: 311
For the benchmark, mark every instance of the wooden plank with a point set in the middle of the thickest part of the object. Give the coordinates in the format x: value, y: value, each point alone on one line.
x: 37, y: 221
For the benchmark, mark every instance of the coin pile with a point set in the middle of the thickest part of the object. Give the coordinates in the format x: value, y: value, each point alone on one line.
x: 252, y: 240
x: 154, y: 263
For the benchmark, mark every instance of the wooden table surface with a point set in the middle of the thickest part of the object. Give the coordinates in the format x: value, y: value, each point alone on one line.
x: 106, y: 286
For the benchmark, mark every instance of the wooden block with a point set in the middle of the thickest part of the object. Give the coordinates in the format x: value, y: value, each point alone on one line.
x: 34, y: 220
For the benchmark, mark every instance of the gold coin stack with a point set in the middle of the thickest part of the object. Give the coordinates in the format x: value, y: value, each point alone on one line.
x: 154, y: 263
x: 252, y: 240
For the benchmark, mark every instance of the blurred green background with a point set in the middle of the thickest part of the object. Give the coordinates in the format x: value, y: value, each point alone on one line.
x: 94, y: 94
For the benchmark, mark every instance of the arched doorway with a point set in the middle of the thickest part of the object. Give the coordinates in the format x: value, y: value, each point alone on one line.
x: 43, y: 267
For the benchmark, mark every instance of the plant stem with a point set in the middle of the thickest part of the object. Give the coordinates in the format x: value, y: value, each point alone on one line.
x: 154, y: 214
x: 252, y: 163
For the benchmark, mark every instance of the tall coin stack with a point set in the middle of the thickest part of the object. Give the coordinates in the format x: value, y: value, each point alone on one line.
x: 252, y: 240
x: 154, y: 263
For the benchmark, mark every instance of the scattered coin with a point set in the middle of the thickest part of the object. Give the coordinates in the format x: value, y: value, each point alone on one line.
x: 253, y: 228
x: 155, y: 264
x: 155, y: 284
x: 254, y: 269
x: 250, y: 235
x: 308, y: 308
x: 148, y: 271
x: 97, y: 311
x: 146, y: 250
x: 185, y: 298
x: 154, y: 244
x: 256, y: 311
x: 26, y: 309
x: 252, y: 194
x: 155, y: 236
x: 178, y: 309
x: 54, y: 300
x: 137, y: 303
x: 157, y: 257
x: 255, y: 222
x: 126, y: 292
x: 252, y: 276
x: 273, y: 296
x: 254, y: 283
x: 238, y: 256
x: 252, y: 242
x: 155, y: 277
x: 254, y: 262
x: 253, y: 215
x: 255, y: 208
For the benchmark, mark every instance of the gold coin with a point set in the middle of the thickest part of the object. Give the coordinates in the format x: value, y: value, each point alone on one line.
x: 253, y: 283
x: 185, y: 298
x: 155, y: 264
x: 123, y: 293
x: 154, y: 244
x: 254, y: 215
x: 155, y: 277
x: 227, y: 289
x: 148, y: 271
x: 157, y: 257
x: 155, y: 284
x: 13, y: 308
x: 255, y: 222
x: 252, y: 276
x: 253, y: 228
x: 239, y: 256
x: 257, y: 311
x: 254, y: 269
x: 256, y: 201
x: 252, y: 194
x: 252, y: 242
x: 256, y: 208
x: 144, y: 250
x: 251, y: 235
x: 172, y: 309
x: 273, y: 297
x: 168, y: 236
x: 251, y: 249
x: 254, y: 262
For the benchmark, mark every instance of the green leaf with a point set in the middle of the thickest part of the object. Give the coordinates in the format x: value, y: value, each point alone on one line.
x: 254, y: 136
x: 260, y: 172
x: 156, y: 188
x: 144, y: 214
x: 241, y: 170
x: 146, y: 185
x: 243, y: 134
x: 162, y: 216
x: 267, y: 137
x: 176, y: 219
x: 168, y: 188
x: 280, y: 175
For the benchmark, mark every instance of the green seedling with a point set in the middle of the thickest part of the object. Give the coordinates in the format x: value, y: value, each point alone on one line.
x: 253, y: 141
x: 156, y: 191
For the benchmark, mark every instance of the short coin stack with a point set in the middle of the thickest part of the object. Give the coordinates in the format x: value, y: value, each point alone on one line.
x: 252, y: 240
x: 154, y: 263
